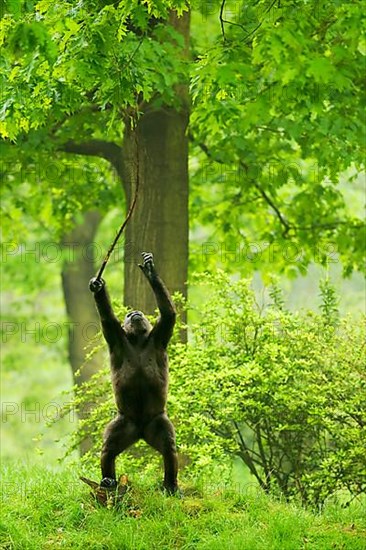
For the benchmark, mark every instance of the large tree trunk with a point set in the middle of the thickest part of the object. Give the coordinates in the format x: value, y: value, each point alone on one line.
x: 160, y: 220
x: 77, y: 270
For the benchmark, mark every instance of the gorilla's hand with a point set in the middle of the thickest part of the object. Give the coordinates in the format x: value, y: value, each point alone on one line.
x: 95, y: 285
x: 147, y: 267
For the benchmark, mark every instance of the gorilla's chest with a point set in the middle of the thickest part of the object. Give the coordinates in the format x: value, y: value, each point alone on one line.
x: 141, y: 367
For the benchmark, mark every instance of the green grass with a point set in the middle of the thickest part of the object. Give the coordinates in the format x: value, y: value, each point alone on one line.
x: 43, y: 509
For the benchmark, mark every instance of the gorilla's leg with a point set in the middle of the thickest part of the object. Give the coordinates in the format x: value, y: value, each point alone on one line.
x: 119, y: 434
x: 160, y: 434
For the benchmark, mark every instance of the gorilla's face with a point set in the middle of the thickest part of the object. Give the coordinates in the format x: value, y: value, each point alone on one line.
x: 135, y: 323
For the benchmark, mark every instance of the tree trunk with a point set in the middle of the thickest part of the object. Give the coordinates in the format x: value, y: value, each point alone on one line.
x: 160, y: 221
x: 77, y: 270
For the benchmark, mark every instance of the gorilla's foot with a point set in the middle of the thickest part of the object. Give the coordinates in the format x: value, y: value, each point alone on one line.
x: 172, y: 490
x: 108, y: 483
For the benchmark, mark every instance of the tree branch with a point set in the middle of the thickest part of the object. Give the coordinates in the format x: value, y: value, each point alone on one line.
x: 244, y: 454
x: 221, y: 18
x: 234, y: 23
x: 264, y: 195
x: 223, y: 21
x: 96, y: 148
x: 274, y: 207
x: 282, y: 219
x: 252, y: 32
x: 329, y: 225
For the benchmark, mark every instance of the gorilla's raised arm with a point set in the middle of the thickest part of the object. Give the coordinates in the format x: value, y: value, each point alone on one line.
x: 111, y: 326
x: 163, y: 330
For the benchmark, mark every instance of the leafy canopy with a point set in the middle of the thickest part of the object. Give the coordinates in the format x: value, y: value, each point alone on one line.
x: 278, y: 111
x: 277, y: 103
x: 63, y: 57
x: 72, y: 72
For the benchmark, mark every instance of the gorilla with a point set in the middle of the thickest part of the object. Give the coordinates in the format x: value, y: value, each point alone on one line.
x: 139, y: 371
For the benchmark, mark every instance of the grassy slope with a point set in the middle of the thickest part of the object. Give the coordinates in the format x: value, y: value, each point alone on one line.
x: 42, y: 509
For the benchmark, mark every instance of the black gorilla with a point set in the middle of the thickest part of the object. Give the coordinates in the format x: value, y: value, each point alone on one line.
x: 139, y: 368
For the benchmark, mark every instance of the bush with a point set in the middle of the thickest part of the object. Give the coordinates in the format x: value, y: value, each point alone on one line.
x: 284, y: 392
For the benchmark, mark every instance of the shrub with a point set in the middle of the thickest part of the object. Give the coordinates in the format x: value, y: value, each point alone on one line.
x: 284, y: 392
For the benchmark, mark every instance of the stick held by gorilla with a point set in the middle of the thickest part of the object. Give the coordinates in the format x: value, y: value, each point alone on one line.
x: 139, y: 370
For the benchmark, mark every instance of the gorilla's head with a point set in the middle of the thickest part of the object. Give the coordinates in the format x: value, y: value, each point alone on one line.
x: 136, y: 324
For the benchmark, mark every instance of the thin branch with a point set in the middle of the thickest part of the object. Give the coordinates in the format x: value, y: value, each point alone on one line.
x: 328, y: 225
x: 221, y: 19
x: 129, y: 59
x: 284, y: 222
x: 270, y: 202
x: 267, y: 470
x: 244, y: 454
x: 235, y: 24
x: 205, y: 149
x: 276, y: 210
x: 130, y: 210
x: 243, y: 444
x: 261, y: 22
x: 264, y: 195
x: 268, y: 129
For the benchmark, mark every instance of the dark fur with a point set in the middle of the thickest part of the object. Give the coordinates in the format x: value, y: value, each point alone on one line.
x: 139, y: 368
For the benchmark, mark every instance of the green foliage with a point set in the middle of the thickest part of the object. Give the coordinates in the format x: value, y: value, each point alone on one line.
x: 284, y: 392
x: 330, y: 301
x: 46, y: 193
x: 65, y: 55
x: 60, y: 513
x: 277, y: 111
x: 75, y: 71
x: 276, y: 123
